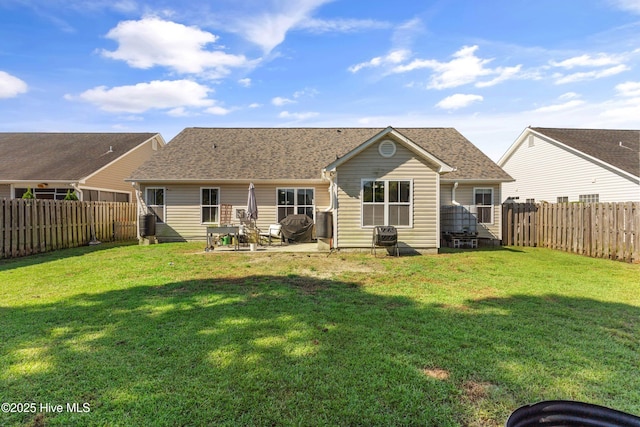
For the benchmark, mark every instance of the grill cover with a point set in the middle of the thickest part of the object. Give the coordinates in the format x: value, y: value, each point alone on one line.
x: 385, y: 236
x: 298, y: 228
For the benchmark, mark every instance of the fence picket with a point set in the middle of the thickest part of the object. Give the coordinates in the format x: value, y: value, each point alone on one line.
x: 35, y: 226
x: 600, y: 230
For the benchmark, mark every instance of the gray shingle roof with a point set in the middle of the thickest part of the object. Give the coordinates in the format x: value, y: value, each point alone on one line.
x: 619, y: 148
x: 296, y: 153
x: 62, y: 156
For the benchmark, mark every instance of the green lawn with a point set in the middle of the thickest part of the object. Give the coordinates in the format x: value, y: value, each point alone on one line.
x: 168, y: 335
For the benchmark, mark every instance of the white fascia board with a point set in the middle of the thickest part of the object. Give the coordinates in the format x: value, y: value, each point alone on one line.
x: 515, y: 146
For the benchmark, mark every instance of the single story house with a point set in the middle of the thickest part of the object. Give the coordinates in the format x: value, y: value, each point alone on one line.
x: 363, y: 176
x: 93, y: 165
x: 573, y: 165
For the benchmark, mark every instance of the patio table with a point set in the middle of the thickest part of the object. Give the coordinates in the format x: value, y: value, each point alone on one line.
x: 223, y: 229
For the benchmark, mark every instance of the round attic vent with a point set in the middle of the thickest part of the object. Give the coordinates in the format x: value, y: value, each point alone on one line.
x: 387, y: 148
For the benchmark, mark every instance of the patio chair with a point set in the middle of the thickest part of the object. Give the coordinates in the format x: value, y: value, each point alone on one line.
x: 275, y: 231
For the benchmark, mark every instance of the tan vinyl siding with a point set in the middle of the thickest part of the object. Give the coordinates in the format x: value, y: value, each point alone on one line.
x: 113, y: 176
x: 5, y: 191
x: 464, y: 196
x: 403, y: 165
x: 183, y: 219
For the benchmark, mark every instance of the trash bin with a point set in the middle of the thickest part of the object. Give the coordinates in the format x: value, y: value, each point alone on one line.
x: 324, y: 225
x: 147, y: 224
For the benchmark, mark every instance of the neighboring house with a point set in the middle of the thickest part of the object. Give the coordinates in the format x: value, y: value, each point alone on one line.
x: 94, y: 165
x: 573, y: 165
x: 364, y: 177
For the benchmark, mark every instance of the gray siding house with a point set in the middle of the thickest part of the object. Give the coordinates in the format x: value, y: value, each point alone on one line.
x: 573, y: 165
x: 93, y: 165
x: 364, y: 176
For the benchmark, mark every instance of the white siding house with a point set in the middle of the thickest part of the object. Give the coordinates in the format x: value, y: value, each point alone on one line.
x: 573, y: 165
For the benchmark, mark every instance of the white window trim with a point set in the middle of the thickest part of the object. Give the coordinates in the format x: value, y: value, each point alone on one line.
x: 210, y: 206
x: 491, y: 206
x: 164, y: 206
x: 386, y: 202
x: 295, y: 200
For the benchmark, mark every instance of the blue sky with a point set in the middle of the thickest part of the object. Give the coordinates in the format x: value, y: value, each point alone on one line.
x: 487, y: 68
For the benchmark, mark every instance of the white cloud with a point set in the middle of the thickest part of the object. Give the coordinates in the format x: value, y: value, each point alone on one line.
x: 566, y: 101
x: 268, y: 28
x: 623, y: 112
x: 255, y: 105
x: 246, y: 82
x: 310, y: 92
x: 142, y: 97
x: 155, y: 42
x: 342, y: 25
x: 600, y: 60
x: 464, y: 68
x: 279, y: 101
x: 458, y: 100
x: 392, y: 58
x: 216, y: 110
x: 628, y: 89
x: 590, y: 75
x: 297, y: 116
x: 11, y: 86
x: 504, y: 73
x: 560, y: 107
x: 629, y: 5
x: 178, y: 112
x: 627, y: 107
x: 568, y: 95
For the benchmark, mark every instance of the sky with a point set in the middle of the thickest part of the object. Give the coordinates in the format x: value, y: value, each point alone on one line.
x: 488, y: 68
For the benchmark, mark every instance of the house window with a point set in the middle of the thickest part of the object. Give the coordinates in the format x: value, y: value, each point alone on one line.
x: 483, y: 198
x: 386, y: 202
x: 104, y: 196
x: 44, y: 193
x: 562, y: 199
x: 589, y: 198
x: 210, y: 205
x: 295, y: 201
x: 155, y: 202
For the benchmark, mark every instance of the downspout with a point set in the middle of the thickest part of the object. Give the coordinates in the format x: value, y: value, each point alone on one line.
x: 330, y: 176
x: 136, y: 190
x: 74, y: 185
x: 453, y: 194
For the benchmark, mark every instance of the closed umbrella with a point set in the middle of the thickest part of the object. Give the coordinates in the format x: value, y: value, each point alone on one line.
x: 252, y: 215
x: 252, y: 205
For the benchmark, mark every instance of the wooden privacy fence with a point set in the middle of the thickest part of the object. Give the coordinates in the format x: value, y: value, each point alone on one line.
x: 33, y: 226
x: 600, y: 230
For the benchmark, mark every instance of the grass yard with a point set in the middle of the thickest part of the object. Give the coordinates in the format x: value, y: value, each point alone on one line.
x: 168, y: 335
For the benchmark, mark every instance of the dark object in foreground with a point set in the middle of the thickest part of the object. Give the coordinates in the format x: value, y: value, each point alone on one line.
x: 556, y: 413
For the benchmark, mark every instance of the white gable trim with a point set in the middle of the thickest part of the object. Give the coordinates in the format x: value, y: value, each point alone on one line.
x: 406, y: 142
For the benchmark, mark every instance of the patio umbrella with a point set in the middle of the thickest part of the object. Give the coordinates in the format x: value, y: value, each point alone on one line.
x: 252, y: 205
